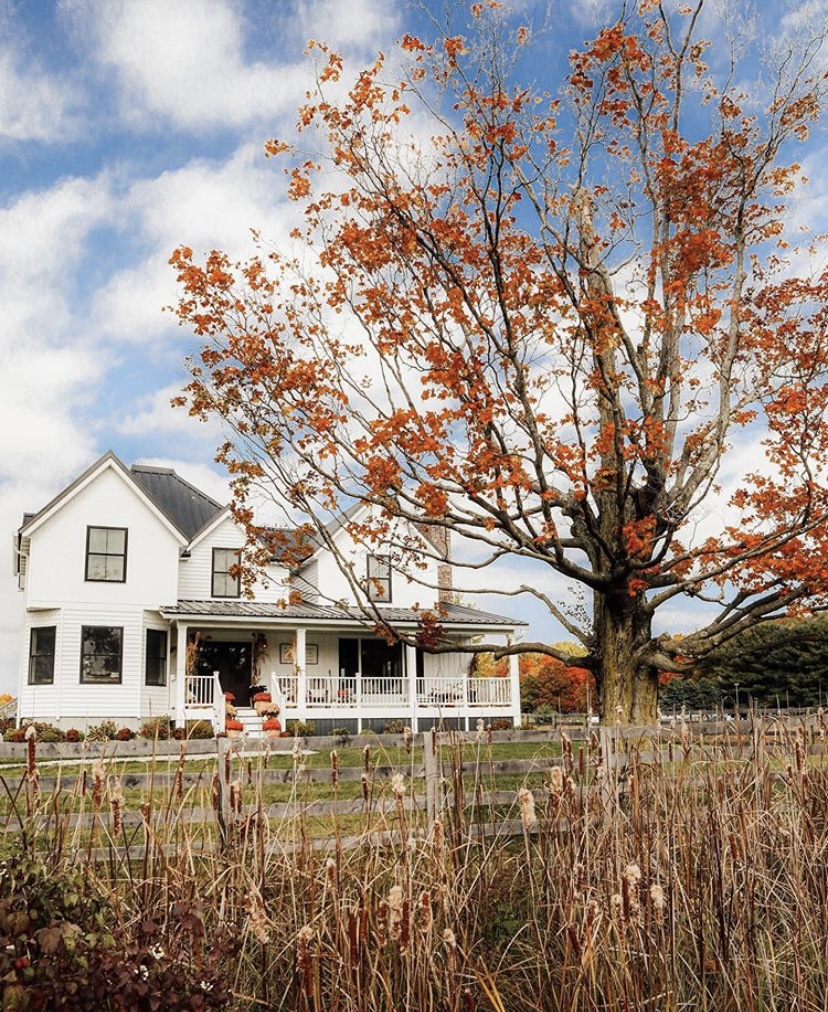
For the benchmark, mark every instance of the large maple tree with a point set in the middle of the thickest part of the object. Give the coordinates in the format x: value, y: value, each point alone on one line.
x: 543, y: 324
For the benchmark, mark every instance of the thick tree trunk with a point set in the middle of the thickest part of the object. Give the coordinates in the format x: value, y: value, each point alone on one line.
x: 627, y: 688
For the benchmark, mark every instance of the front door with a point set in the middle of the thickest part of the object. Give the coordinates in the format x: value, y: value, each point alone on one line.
x: 234, y: 663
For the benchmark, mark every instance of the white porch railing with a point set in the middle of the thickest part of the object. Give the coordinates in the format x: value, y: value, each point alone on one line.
x: 199, y: 690
x: 204, y: 699
x: 489, y: 692
x: 339, y: 692
x: 441, y: 691
x: 349, y: 693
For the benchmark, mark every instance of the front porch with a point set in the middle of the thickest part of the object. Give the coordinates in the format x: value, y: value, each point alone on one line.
x: 419, y: 702
x: 376, y: 682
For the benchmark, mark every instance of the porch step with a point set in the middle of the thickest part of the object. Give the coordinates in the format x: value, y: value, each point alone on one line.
x: 251, y: 720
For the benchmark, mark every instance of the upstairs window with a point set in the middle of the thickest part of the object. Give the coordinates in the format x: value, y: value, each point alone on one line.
x: 106, y: 549
x: 225, y: 585
x: 155, y: 665
x: 102, y: 650
x: 42, y: 655
x: 379, y: 579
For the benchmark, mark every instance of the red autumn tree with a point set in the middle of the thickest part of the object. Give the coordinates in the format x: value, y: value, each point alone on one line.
x: 543, y: 325
x: 547, y: 683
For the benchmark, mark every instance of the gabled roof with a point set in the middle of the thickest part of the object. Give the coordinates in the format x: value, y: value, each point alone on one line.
x: 177, y: 503
x: 185, y: 505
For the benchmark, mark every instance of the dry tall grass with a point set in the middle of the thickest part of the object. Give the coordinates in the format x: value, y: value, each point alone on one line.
x: 684, y: 879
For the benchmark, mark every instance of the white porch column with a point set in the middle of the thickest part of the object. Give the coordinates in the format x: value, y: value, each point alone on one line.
x: 411, y: 672
x: 300, y: 661
x: 514, y: 686
x: 180, y: 673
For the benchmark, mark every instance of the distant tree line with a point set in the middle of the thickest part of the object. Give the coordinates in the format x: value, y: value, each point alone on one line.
x: 782, y: 663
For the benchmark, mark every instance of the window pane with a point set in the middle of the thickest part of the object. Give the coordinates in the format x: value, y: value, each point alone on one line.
x: 115, y: 568
x: 42, y: 655
x: 96, y: 567
x: 101, y: 654
x: 115, y: 541
x: 156, y: 660
x: 97, y: 539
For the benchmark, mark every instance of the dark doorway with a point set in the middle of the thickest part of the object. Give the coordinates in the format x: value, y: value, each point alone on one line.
x: 234, y: 663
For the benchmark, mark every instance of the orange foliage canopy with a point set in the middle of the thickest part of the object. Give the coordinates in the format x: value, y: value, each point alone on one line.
x: 542, y: 328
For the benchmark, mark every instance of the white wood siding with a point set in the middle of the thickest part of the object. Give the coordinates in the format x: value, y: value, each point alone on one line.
x: 195, y: 582
x: 57, y: 563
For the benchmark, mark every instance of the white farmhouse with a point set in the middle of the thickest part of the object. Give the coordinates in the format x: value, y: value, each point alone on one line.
x: 133, y: 610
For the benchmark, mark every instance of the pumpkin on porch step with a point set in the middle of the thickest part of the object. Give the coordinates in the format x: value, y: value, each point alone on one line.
x: 272, y: 728
x: 233, y: 728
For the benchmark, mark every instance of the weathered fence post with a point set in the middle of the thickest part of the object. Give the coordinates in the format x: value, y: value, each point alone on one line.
x: 432, y: 774
x: 223, y: 807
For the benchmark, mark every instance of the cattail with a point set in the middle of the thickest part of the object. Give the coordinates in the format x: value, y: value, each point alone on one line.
x: 236, y: 798
x: 257, y: 915
x: 97, y: 783
x: 592, y: 911
x: 366, y: 758
x: 488, y: 734
x: 398, y: 786
x: 297, y: 750
x: 116, y: 801
x: 334, y: 768
x: 395, y: 910
x: 146, y: 811
x: 382, y: 923
x: 303, y: 960
x: 480, y: 737
x: 437, y: 833
x: 578, y: 878
x: 526, y: 800
x: 408, y: 738
x: 449, y: 939
x: 365, y: 792
x: 658, y: 899
x: 799, y: 752
x: 630, y: 881
x: 468, y: 998
x: 425, y: 910
x: 330, y: 872
x: 31, y: 743
x: 556, y: 784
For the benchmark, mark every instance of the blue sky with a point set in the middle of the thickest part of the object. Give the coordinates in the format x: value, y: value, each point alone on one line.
x: 128, y: 127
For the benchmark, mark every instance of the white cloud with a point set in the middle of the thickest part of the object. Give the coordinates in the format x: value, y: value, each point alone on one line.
x: 184, y: 62
x: 33, y: 104
x: 362, y: 23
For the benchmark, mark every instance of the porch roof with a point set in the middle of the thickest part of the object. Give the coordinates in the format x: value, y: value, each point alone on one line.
x: 453, y: 616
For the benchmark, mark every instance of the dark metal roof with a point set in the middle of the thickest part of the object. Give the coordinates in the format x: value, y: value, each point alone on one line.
x: 182, y: 503
x: 452, y: 614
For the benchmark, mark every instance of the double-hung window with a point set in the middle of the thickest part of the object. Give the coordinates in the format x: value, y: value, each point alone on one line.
x: 378, y: 582
x: 106, y: 554
x: 225, y: 584
x: 42, y: 655
x: 102, y: 651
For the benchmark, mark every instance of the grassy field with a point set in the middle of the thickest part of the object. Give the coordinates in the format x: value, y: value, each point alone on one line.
x: 688, y: 875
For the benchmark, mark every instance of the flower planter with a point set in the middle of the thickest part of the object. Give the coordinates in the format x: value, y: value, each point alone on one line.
x: 233, y: 733
x: 262, y: 708
x: 273, y: 734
